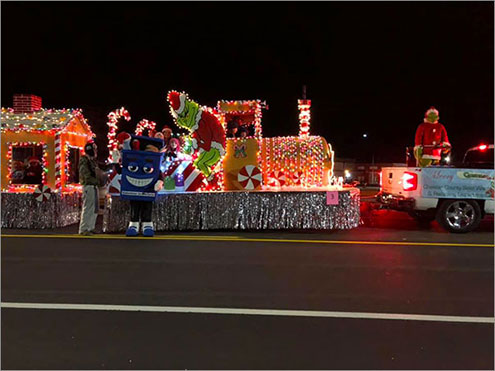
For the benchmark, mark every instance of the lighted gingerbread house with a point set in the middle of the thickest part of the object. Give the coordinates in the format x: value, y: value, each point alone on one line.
x: 41, y: 146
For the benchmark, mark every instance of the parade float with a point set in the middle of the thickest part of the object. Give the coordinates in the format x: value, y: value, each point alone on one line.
x: 248, y: 182
x: 40, y: 150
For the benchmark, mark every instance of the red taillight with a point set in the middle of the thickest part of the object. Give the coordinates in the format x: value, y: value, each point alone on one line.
x: 409, y: 181
x: 482, y: 147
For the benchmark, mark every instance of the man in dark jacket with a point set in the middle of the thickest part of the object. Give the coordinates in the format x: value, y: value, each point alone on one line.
x: 89, y: 181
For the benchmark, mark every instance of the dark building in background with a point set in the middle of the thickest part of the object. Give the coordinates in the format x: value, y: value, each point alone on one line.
x: 367, y: 174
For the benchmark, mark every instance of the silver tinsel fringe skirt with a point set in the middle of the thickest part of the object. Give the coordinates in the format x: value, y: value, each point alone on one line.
x: 22, y: 210
x: 238, y: 210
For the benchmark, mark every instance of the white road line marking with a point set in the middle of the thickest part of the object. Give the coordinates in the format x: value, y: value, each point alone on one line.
x: 255, y: 312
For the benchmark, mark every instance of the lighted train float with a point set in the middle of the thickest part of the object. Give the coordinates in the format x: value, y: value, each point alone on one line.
x: 250, y: 183
x: 252, y: 163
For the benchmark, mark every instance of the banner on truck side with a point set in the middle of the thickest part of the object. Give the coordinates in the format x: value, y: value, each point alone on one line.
x: 458, y: 183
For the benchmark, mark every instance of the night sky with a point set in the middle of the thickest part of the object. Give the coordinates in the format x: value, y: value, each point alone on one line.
x: 370, y: 68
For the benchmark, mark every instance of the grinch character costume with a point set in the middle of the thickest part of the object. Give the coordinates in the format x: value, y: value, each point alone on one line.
x: 431, y: 141
x: 207, y: 134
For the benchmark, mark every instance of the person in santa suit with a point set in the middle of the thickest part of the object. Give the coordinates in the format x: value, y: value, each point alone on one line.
x: 431, y: 141
x: 208, y: 135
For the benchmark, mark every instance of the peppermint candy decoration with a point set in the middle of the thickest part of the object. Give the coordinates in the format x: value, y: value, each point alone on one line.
x: 297, y: 177
x: 250, y: 177
x: 42, y: 193
x: 276, y: 178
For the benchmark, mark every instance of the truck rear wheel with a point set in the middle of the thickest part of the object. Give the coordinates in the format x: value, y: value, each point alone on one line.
x: 459, y: 216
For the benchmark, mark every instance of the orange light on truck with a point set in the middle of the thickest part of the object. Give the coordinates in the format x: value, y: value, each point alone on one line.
x: 482, y: 147
x: 409, y: 181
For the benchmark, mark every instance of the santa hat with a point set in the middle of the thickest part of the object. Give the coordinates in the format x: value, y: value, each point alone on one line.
x: 124, y: 140
x: 122, y: 137
x: 177, y: 101
x: 34, y: 159
x: 167, y: 128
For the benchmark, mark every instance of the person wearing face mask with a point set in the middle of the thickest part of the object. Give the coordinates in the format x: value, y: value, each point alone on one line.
x: 88, y: 168
x: 431, y: 141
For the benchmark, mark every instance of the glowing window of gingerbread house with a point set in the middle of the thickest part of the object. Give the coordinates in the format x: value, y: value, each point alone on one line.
x: 26, y: 163
x: 242, y: 116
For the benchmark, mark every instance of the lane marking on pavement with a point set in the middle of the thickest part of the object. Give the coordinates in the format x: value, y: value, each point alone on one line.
x: 247, y: 311
x: 246, y: 239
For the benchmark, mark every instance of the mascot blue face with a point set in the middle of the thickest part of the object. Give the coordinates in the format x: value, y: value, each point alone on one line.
x: 140, y: 171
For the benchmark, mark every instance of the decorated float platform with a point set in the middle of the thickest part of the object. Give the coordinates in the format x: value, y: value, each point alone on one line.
x: 254, y: 183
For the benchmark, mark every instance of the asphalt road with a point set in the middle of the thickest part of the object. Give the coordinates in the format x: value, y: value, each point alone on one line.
x: 327, y: 299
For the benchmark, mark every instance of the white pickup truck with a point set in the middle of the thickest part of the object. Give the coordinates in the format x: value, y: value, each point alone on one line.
x: 458, y: 197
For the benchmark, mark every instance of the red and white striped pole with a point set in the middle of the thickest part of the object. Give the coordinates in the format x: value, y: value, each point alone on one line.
x: 304, y: 106
x: 58, y: 159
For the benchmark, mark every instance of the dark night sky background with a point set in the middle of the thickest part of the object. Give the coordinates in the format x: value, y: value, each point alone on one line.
x: 369, y: 67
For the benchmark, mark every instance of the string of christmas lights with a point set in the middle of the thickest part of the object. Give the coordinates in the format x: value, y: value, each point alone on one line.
x: 60, y: 125
x: 71, y: 187
x: 246, y: 107
x: 304, y: 106
x: 113, y: 119
x: 42, y: 120
x: 301, y: 160
x: 9, y: 159
x: 145, y: 124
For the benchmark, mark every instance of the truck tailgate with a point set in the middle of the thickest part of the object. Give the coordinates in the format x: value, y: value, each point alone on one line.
x: 392, y: 181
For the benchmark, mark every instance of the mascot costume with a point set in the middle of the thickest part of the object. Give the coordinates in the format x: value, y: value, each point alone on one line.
x: 431, y: 141
x: 141, y: 180
x: 207, y: 133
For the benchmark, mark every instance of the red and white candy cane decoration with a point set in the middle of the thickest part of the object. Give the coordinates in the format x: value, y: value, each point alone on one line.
x: 113, y: 118
x: 250, y: 177
x: 145, y: 124
x: 42, y: 193
x: 304, y: 106
x: 58, y: 159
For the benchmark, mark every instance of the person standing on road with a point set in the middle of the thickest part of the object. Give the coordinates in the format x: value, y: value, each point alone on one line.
x: 87, y: 176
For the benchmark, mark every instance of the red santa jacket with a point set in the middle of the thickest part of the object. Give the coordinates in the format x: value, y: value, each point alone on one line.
x: 209, y: 133
x: 429, y: 134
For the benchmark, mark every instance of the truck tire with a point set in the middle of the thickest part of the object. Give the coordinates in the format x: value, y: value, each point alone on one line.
x: 459, y: 216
